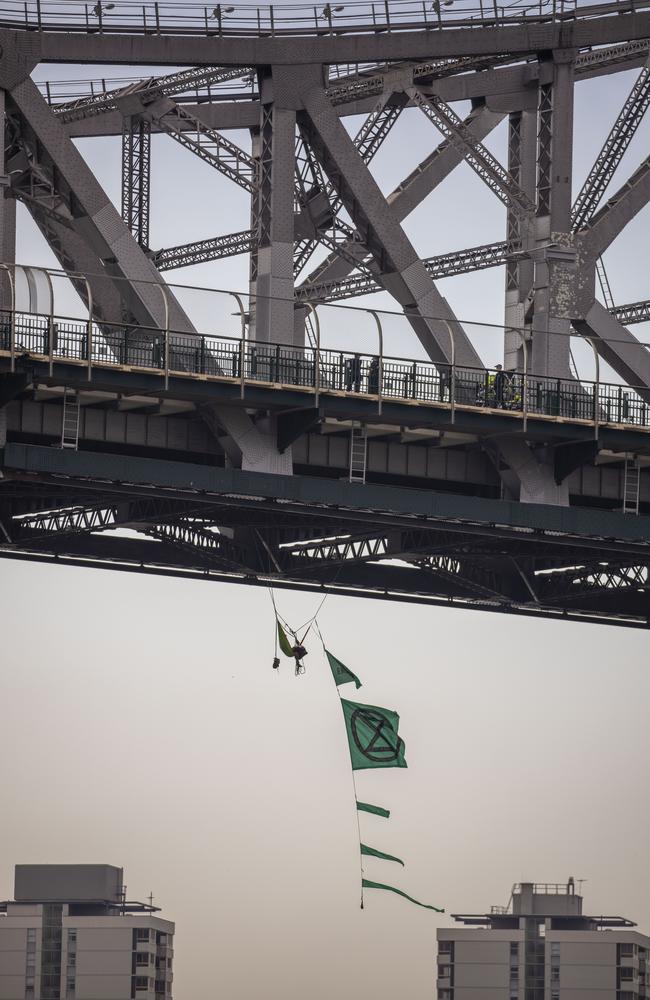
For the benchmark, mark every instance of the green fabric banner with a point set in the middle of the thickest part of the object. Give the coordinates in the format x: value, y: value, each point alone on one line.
x: 372, y: 736
x: 341, y: 673
x: 283, y: 641
x: 389, y: 888
x: 371, y: 852
x: 365, y: 807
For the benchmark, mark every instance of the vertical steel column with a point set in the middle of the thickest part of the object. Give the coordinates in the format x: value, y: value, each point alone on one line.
x: 7, y: 220
x: 136, y: 148
x: 275, y: 224
x: 522, y: 164
x: 555, y: 258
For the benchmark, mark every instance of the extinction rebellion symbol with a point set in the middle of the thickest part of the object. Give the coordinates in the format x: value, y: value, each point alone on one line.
x: 374, y: 737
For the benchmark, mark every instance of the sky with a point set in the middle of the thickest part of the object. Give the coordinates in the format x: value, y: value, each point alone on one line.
x: 143, y: 725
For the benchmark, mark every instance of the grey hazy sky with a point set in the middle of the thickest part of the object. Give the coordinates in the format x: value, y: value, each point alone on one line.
x: 143, y: 726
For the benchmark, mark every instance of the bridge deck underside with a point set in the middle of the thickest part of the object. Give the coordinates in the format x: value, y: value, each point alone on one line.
x: 68, y: 507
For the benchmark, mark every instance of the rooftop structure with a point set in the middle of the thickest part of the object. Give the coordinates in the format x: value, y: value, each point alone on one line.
x: 541, y: 946
x: 71, y: 934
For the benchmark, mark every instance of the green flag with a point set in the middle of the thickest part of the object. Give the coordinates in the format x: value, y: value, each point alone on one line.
x: 341, y: 674
x: 285, y: 645
x: 365, y: 807
x: 372, y: 736
x: 371, y: 852
x: 389, y: 888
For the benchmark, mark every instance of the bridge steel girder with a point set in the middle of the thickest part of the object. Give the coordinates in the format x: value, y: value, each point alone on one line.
x: 136, y: 173
x: 404, y: 274
x: 415, y: 188
x: 618, y: 211
x: 619, y: 347
x: 614, y: 148
x: 99, y: 236
x: 421, y: 43
x: 458, y: 555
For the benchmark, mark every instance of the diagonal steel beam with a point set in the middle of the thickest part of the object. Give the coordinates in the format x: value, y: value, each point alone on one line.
x: 204, y: 250
x: 405, y: 275
x: 208, y: 144
x: 442, y: 266
x: 210, y: 547
x: 614, y: 216
x: 149, y: 89
x: 414, y: 189
x: 614, y: 148
x: 619, y: 347
x: 633, y: 312
x: 497, y: 178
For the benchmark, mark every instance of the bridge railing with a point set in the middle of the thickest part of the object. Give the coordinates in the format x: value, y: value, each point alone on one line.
x: 60, y: 339
x: 280, y: 19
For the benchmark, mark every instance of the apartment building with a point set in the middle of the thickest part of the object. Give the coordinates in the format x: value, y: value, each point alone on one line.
x: 542, y: 947
x: 71, y: 934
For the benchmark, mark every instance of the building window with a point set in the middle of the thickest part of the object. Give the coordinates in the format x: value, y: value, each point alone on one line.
x: 627, y: 949
x: 626, y: 973
x: 444, y: 971
x: 442, y: 994
x: 555, y: 995
x: 142, y: 933
x: 142, y: 958
x: 141, y: 983
x: 445, y: 947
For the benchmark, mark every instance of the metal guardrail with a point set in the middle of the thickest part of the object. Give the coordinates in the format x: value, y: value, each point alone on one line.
x: 320, y: 370
x: 283, y: 19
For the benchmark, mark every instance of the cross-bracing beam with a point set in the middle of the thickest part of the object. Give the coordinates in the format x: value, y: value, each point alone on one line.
x: 208, y: 144
x: 412, y: 191
x: 442, y: 266
x: 614, y: 148
x: 405, y: 276
x: 149, y: 90
x: 603, y: 227
x: 201, y: 251
x: 136, y: 151
x: 497, y: 178
x: 633, y: 312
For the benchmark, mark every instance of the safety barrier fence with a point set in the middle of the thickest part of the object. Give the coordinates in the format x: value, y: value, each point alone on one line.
x: 284, y: 19
x: 318, y: 369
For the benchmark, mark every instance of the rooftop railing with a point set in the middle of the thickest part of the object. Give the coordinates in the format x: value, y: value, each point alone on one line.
x: 316, y: 370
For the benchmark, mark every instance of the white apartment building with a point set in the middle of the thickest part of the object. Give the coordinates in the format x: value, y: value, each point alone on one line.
x: 541, y: 947
x: 71, y: 934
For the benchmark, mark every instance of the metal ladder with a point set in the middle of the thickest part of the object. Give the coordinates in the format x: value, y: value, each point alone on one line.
x: 70, y: 424
x: 631, y: 486
x: 358, y: 453
x: 605, y: 286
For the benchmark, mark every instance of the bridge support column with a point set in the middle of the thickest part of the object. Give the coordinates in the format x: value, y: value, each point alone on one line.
x: 275, y: 223
x: 536, y: 479
x: 550, y: 344
x: 522, y: 164
x: 7, y: 217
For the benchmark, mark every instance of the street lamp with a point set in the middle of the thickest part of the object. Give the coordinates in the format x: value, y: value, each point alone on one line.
x: 219, y: 11
x: 329, y: 12
x: 100, y: 8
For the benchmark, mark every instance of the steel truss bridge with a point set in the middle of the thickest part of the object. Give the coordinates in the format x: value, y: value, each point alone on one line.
x: 274, y: 457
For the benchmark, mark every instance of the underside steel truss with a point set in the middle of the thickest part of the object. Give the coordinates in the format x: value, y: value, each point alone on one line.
x: 271, y: 99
